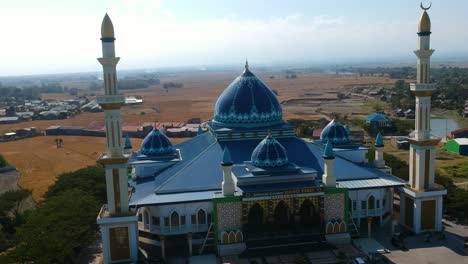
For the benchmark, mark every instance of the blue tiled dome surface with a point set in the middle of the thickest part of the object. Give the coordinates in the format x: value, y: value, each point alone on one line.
x: 248, y: 102
x: 156, y: 143
x: 335, y: 132
x: 269, y: 153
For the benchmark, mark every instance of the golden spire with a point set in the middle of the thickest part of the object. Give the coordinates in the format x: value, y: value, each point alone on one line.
x: 107, y: 29
x: 424, y: 21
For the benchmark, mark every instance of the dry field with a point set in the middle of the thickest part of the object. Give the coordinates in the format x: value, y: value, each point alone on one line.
x: 300, y: 98
x: 40, y: 162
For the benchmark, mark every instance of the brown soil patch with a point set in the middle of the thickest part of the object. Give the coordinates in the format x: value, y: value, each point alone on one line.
x: 40, y: 162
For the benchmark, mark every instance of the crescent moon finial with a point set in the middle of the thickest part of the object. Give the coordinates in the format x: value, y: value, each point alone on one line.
x: 426, y: 8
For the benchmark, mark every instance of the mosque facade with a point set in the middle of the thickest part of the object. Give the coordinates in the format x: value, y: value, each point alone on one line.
x: 249, y: 180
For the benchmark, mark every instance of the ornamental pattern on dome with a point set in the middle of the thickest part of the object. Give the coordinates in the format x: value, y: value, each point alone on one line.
x: 269, y: 154
x: 248, y: 102
x: 156, y: 143
x: 335, y: 132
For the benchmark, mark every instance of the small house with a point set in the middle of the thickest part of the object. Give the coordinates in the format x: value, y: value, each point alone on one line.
x: 458, y: 146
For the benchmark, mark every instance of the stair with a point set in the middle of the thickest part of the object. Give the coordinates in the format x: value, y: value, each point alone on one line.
x: 209, y: 240
x: 352, y: 228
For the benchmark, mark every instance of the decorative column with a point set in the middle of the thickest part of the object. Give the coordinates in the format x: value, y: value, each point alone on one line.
x: 228, y: 186
x: 328, y: 178
x: 421, y: 192
x: 189, y: 242
x: 118, y: 225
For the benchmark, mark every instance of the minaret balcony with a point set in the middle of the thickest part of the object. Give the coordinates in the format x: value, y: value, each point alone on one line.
x: 422, y: 87
x: 117, y: 99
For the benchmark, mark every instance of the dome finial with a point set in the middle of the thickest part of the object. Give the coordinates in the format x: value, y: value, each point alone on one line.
x: 246, y: 63
x: 328, y: 151
x: 426, y: 8
x: 379, y: 140
x: 107, y: 29
x: 226, y: 157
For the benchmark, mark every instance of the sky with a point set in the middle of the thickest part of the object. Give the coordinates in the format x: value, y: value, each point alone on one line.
x: 57, y: 36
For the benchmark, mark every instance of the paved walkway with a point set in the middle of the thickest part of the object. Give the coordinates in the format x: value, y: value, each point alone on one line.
x: 446, y: 251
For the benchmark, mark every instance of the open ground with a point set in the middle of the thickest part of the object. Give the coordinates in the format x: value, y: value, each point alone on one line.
x: 40, y: 162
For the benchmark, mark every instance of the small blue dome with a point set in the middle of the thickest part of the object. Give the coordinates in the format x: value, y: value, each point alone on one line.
x: 248, y: 102
x: 156, y: 143
x: 335, y: 132
x: 269, y: 154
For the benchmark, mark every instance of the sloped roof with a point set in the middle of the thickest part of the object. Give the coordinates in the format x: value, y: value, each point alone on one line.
x: 199, y: 172
x: 375, y: 117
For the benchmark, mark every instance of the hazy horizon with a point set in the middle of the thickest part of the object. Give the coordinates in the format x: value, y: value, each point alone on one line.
x: 53, y: 36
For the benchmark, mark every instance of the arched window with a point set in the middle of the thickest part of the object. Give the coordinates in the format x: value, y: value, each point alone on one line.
x: 330, y: 228
x: 201, y: 216
x: 371, y: 202
x: 232, y: 237
x: 343, y: 227
x: 225, y: 238
x: 146, y: 219
x: 239, y: 237
x: 336, y: 227
x: 174, y: 219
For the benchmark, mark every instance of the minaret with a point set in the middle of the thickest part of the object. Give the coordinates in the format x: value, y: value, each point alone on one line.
x: 379, y: 161
x: 228, y: 186
x: 421, y: 201
x: 114, y: 159
x: 328, y: 178
x: 128, y: 145
x: 119, y: 228
x: 199, y: 131
x: 422, y: 148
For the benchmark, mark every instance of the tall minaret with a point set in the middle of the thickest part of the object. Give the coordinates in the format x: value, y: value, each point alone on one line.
x: 328, y: 178
x: 421, y: 201
x: 422, y: 149
x: 119, y: 228
x: 114, y: 159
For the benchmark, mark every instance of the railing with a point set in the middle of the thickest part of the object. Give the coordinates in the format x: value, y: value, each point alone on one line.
x: 109, y: 99
x: 368, y: 212
x: 172, y: 230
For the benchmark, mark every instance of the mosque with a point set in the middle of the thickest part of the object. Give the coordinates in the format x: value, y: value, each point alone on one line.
x: 249, y: 180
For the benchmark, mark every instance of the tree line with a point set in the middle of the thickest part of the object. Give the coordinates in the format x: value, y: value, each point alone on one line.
x: 61, y: 225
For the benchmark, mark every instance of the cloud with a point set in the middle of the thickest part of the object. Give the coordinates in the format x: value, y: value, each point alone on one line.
x: 151, y: 35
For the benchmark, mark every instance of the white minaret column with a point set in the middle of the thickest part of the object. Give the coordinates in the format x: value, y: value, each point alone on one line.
x: 119, y: 228
x: 328, y: 178
x: 379, y: 161
x: 228, y: 185
x: 422, y: 148
x: 111, y: 101
x: 114, y: 159
x: 422, y: 198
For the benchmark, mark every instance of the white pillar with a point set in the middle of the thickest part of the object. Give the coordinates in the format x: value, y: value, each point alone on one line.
x: 439, y: 206
x: 163, y: 247
x: 417, y: 216
x: 189, y: 242
x: 328, y: 177
x: 402, y: 208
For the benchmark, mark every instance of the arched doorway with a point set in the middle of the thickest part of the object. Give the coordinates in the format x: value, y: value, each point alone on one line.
x: 255, y: 215
x: 282, y: 214
x: 309, y: 214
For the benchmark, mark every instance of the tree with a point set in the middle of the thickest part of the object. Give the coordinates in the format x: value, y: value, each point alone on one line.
x: 3, y: 162
x: 57, y: 229
x: 90, y: 179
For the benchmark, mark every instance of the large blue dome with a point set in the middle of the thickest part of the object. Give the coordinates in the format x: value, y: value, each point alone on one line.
x: 269, y: 153
x: 156, y: 144
x: 335, y: 132
x: 248, y: 102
